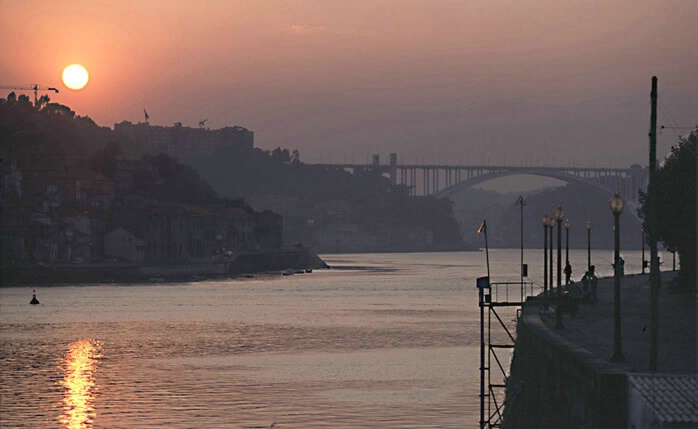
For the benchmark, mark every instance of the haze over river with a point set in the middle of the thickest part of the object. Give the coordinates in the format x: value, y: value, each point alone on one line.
x: 379, y: 340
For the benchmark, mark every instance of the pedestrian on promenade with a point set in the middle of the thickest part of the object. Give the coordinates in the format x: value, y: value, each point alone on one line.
x: 621, y: 266
x: 593, y: 281
x: 568, y: 272
x: 585, y: 282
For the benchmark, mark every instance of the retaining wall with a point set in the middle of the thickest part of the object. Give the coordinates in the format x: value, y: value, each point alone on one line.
x: 554, y: 383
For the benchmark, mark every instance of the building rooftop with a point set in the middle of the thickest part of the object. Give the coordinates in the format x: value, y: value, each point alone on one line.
x: 672, y: 397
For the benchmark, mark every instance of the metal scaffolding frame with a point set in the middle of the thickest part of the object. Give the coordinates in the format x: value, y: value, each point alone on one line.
x: 492, y: 297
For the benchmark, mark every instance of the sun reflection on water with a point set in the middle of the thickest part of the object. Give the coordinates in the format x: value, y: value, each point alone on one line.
x: 79, y: 386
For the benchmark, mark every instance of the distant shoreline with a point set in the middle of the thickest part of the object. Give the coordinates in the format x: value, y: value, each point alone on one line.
x: 126, y: 273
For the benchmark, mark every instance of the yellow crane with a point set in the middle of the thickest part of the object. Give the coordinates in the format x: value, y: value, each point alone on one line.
x: 33, y: 87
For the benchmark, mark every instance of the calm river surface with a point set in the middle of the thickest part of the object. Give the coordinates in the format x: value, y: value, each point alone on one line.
x: 380, y: 340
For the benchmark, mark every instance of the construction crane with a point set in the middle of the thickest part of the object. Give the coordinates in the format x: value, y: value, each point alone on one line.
x: 32, y: 87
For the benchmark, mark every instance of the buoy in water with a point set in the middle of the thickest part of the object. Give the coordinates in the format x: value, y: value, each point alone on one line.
x: 34, y: 301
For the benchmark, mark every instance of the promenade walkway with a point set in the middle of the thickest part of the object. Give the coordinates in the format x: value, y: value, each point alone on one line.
x: 592, y: 329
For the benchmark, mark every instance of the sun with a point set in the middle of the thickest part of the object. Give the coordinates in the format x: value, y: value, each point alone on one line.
x: 75, y: 76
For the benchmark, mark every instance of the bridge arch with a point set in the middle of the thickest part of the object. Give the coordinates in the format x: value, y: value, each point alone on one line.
x: 601, y: 190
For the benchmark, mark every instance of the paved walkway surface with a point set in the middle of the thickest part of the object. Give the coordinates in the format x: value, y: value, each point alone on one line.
x: 592, y: 329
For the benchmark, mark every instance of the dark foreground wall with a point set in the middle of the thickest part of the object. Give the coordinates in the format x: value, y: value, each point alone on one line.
x: 556, y: 384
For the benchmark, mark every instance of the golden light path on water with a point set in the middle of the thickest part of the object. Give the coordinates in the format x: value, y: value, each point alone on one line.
x: 79, y: 365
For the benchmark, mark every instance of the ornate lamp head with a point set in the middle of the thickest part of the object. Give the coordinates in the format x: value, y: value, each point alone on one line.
x: 617, y: 203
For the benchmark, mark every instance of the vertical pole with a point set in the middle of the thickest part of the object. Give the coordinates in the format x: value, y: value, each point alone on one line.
x: 521, y: 202
x: 545, y: 265
x: 617, y: 349
x: 589, y: 246
x: 567, y: 248
x: 567, y: 245
x: 550, y: 257
x: 482, y: 355
x: 643, y: 251
x: 558, y: 312
x: 487, y: 248
x: 655, y: 280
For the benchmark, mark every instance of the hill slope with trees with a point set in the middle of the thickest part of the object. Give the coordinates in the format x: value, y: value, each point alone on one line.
x: 51, y: 138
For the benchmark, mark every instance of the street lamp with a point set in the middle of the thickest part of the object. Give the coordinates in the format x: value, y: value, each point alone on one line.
x: 617, y: 203
x: 643, y: 249
x: 524, y: 269
x: 550, y: 255
x: 589, y: 246
x: 559, y: 215
x: 546, y: 224
x: 567, y: 251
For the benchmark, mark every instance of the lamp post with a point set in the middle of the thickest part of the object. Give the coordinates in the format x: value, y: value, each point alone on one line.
x: 546, y: 223
x: 617, y: 203
x: 550, y: 255
x: 567, y: 250
x: 589, y: 246
x: 520, y: 202
x: 643, y: 250
x: 559, y: 215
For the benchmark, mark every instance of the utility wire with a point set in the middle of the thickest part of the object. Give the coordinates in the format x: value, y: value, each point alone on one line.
x: 674, y: 126
x: 666, y: 114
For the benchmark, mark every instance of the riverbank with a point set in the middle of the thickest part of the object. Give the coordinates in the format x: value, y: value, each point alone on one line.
x: 240, y: 264
x: 563, y: 377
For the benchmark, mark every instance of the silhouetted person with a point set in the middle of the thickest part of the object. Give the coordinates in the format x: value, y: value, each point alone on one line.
x: 34, y: 301
x: 586, y: 279
x: 594, y: 281
x: 568, y: 272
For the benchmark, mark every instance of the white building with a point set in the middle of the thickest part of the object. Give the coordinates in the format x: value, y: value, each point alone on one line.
x: 124, y: 244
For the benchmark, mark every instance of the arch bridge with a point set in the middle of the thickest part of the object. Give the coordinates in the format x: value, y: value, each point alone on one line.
x: 446, y: 180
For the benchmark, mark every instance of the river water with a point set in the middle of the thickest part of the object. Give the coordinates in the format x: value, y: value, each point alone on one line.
x: 379, y: 340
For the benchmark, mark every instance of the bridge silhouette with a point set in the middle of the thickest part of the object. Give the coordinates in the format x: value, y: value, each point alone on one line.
x: 447, y: 180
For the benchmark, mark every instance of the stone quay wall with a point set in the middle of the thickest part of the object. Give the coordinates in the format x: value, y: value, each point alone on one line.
x: 556, y: 383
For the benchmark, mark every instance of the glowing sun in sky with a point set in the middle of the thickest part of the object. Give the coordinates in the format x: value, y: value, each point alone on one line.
x: 75, y: 76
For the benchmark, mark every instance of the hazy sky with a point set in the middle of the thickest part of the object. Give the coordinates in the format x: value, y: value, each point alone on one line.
x: 516, y: 82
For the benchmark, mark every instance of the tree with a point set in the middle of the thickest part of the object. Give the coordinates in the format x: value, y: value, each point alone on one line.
x: 281, y: 155
x: 105, y: 160
x: 295, y: 157
x: 676, y: 206
x: 174, y: 181
x: 43, y: 100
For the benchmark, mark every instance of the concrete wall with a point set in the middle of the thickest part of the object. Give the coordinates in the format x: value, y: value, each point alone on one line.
x: 555, y: 383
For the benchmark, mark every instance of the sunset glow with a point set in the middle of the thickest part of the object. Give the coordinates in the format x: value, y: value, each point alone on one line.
x: 530, y: 82
x: 75, y: 76
x: 80, y: 365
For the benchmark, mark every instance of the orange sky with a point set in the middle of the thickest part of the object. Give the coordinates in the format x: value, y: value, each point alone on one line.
x: 550, y: 81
